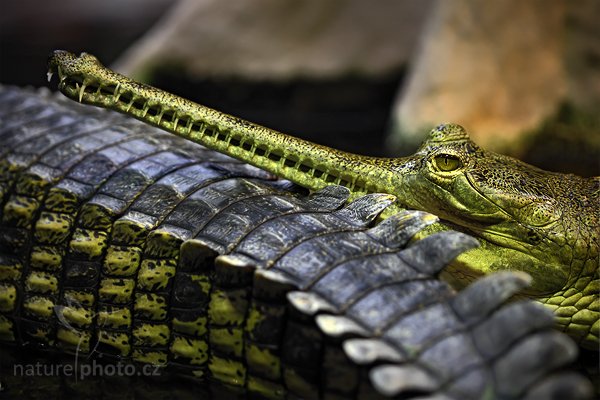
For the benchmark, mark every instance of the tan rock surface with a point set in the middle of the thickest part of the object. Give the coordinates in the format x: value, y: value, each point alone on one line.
x: 495, y: 67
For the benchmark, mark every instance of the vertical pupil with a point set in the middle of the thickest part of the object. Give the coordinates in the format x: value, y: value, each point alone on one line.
x: 447, y: 162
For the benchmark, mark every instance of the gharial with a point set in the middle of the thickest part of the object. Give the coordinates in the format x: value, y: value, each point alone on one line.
x: 543, y: 223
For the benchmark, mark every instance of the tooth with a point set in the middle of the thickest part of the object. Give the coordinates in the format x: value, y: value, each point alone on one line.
x: 49, y: 75
x: 81, y: 90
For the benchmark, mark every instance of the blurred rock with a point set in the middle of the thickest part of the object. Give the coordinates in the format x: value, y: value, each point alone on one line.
x: 280, y: 39
x: 501, y: 69
x: 494, y: 67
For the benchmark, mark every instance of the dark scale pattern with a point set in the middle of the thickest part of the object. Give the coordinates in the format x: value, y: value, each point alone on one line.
x: 129, y: 243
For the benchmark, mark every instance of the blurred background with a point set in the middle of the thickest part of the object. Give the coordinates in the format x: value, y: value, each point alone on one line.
x: 371, y: 78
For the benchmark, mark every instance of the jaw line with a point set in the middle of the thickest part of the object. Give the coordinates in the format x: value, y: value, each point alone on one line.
x: 479, y: 221
x: 478, y: 227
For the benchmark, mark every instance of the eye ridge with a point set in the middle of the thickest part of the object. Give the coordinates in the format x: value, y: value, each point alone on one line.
x: 447, y: 162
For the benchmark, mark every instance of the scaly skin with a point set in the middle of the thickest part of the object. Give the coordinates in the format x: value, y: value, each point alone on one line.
x: 543, y: 223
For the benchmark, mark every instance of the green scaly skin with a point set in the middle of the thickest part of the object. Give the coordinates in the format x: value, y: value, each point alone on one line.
x: 543, y: 223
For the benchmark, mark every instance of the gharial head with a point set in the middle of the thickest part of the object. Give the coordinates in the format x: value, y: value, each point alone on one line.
x: 463, y: 181
x: 528, y: 218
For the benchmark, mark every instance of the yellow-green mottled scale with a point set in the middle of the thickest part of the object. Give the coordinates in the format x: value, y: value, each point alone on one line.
x: 527, y: 219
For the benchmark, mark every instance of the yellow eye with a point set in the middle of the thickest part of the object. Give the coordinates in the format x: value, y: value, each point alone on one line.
x: 447, y: 162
